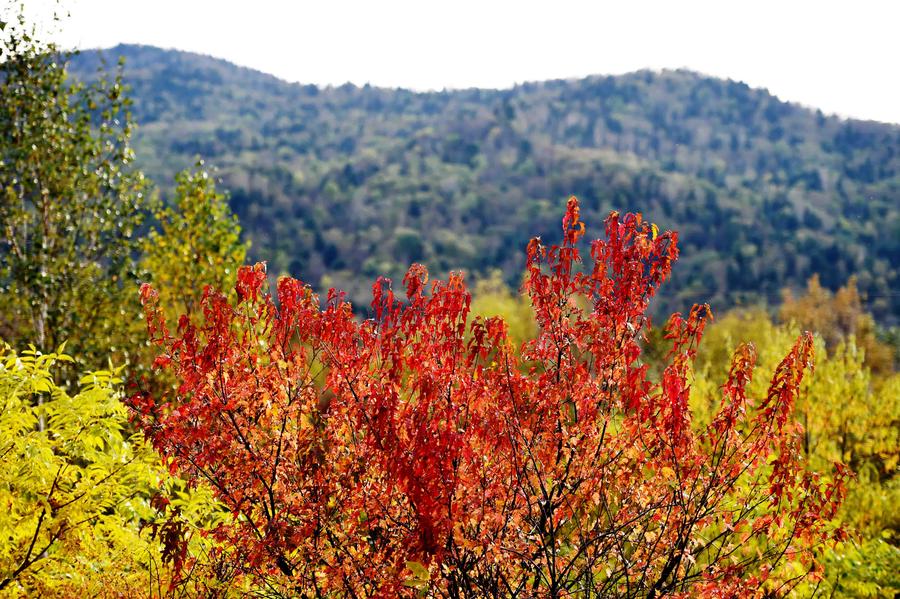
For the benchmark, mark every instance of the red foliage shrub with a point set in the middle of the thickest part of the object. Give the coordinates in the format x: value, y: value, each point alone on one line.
x: 420, y: 452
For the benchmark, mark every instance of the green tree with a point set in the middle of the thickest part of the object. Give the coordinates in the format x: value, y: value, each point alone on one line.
x: 70, y: 205
x: 197, y: 244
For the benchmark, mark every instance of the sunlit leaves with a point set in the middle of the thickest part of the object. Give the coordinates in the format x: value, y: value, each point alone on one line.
x: 87, y: 508
x: 421, y: 451
x: 70, y: 493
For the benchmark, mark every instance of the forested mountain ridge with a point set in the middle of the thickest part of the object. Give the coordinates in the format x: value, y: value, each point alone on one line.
x: 360, y: 181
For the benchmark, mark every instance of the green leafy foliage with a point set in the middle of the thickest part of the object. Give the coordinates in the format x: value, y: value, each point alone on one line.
x: 70, y: 206
x: 867, y: 569
x: 197, y: 243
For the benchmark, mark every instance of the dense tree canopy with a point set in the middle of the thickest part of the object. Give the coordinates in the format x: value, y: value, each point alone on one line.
x: 340, y: 185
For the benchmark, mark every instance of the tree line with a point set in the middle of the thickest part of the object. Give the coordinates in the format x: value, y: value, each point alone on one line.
x: 341, y: 184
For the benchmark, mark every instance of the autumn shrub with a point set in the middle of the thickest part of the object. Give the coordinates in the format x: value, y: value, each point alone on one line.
x: 420, y: 452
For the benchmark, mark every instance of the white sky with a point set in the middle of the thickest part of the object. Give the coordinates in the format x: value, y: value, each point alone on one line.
x: 842, y: 57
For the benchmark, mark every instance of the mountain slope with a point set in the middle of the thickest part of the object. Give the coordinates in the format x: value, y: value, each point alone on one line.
x: 338, y: 185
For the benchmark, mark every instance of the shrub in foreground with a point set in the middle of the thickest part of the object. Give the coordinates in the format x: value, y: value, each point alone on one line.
x: 419, y: 452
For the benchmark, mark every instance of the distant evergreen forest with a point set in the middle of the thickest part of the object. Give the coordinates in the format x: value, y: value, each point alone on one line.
x: 339, y: 185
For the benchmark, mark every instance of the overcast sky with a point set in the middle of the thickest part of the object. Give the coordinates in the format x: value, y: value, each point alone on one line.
x: 842, y: 57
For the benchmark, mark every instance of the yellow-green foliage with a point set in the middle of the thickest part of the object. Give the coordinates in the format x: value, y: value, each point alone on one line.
x: 849, y: 415
x: 492, y: 297
x: 75, y: 487
x: 73, y: 484
x: 868, y: 568
x: 714, y: 358
x: 197, y: 244
x: 849, y: 418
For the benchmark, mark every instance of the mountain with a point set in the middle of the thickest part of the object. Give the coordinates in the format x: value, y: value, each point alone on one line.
x: 337, y: 185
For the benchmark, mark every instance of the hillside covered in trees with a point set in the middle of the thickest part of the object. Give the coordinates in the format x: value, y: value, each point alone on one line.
x: 339, y: 185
